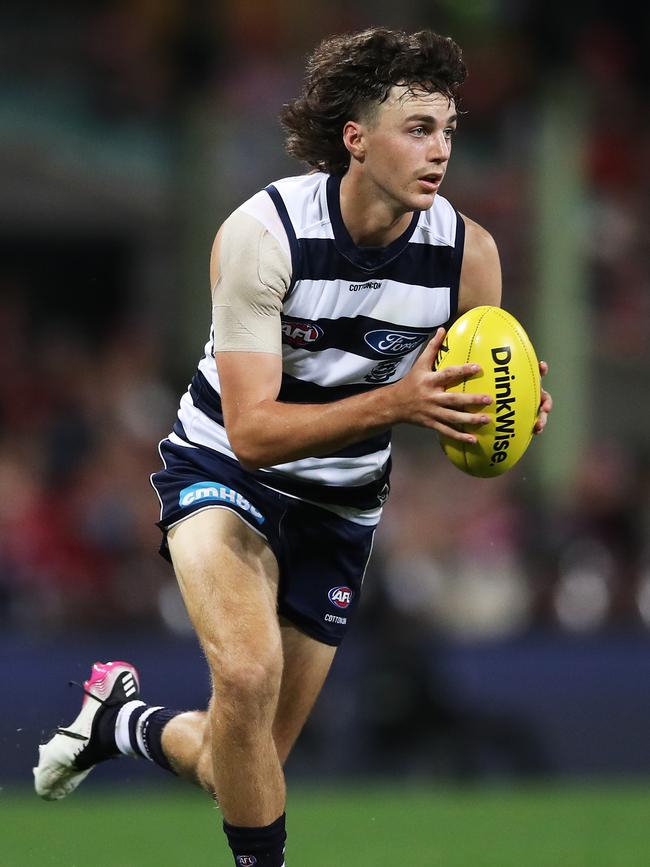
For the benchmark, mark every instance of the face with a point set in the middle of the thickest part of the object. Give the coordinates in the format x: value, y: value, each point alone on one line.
x: 405, y: 147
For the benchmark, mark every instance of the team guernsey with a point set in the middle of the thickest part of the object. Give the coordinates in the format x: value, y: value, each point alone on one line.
x: 353, y: 319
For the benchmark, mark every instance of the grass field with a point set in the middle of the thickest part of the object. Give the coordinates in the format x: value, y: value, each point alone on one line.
x: 373, y: 826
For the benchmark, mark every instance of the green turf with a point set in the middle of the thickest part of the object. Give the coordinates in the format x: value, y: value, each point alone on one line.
x: 376, y: 826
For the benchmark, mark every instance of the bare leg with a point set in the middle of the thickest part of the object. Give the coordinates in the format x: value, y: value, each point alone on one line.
x: 186, y: 738
x: 265, y: 678
x: 228, y: 577
x: 306, y: 664
x: 186, y: 743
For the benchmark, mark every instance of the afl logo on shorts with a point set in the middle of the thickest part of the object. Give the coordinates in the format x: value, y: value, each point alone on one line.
x: 300, y: 333
x: 340, y: 596
x: 246, y: 860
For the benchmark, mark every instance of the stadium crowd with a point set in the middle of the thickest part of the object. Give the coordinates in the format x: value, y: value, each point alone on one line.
x: 87, y: 389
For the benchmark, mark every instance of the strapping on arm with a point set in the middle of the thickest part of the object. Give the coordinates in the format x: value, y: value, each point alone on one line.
x: 254, y: 275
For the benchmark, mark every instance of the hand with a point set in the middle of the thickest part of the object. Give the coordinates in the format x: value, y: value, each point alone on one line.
x: 422, y: 398
x: 545, y: 404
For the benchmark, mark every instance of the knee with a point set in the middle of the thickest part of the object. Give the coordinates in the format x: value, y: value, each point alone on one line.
x: 247, y: 684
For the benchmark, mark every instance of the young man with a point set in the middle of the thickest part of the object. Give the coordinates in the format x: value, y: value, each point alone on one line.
x: 330, y: 294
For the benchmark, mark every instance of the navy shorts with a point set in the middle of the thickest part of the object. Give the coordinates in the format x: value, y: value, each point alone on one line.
x: 321, y: 556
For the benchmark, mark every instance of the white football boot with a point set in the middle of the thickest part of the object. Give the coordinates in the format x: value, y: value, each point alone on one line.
x: 67, y: 759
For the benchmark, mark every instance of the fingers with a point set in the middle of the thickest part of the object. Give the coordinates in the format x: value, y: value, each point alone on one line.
x: 452, y: 424
x: 428, y: 357
x: 453, y: 434
x: 545, y: 406
x: 455, y: 374
x: 545, y: 403
x: 448, y: 376
x: 461, y: 400
x: 452, y: 416
x: 447, y: 412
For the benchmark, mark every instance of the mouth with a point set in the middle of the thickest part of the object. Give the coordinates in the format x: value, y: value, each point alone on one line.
x: 430, y: 182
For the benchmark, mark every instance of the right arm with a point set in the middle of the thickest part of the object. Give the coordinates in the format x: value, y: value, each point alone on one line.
x: 264, y: 431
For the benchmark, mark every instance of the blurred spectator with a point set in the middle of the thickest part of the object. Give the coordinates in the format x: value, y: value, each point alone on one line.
x: 599, y: 542
x: 85, y: 394
x: 450, y: 547
x: 79, y: 428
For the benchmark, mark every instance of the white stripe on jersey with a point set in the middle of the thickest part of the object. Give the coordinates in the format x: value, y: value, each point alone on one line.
x: 336, y: 470
x: 329, y: 299
x: 436, y: 226
x: 332, y: 367
x: 201, y: 430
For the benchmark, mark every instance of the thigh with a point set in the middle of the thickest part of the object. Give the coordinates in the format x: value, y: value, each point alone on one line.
x: 228, y: 578
x: 306, y: 665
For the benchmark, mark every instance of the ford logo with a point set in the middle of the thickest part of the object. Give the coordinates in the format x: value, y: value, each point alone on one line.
x: 395, y: 342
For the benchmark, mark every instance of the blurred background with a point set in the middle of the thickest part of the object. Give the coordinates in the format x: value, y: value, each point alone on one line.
x: 505, y: 630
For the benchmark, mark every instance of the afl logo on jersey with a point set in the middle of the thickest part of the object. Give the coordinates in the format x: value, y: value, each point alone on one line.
x: 395, y: 342
x: 340, y: 596
x: 300, y: 333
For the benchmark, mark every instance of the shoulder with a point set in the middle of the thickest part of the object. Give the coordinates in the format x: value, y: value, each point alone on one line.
x: 249, y: 241
x: 270, y: 207
x: 480, y: 281
x: 478, y: 241
x: 256, y: 220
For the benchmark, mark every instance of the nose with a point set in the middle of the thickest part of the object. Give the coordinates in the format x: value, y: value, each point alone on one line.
x: 439, y: 148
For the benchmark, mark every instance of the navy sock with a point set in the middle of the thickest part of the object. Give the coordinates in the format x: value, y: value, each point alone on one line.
x: 152, y: 730
x: 138, y: 728
x: 258, y: 847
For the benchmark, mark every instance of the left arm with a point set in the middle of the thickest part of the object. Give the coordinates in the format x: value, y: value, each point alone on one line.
x: 480, y: 283
x: 480, y: 275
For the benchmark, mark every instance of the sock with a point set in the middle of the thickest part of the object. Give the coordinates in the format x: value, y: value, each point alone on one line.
x: 258, y: 847
x: 137, y: 731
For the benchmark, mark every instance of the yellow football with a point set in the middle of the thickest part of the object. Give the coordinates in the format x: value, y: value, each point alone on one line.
x: 494, y: 339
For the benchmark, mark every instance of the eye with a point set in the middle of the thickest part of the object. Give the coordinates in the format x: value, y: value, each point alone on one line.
x: 449, y: 132
x: 418, y: 131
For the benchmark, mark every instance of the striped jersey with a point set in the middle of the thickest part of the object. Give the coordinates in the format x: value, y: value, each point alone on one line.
x: 353, y: 319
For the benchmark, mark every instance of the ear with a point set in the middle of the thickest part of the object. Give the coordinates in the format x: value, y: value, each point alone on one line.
x: 354, y: 140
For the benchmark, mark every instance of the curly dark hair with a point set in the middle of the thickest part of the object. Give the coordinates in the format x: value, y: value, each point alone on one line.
x: 347, y: 76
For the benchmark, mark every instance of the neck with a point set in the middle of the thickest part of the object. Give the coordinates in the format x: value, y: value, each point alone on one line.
x: 369, y: 217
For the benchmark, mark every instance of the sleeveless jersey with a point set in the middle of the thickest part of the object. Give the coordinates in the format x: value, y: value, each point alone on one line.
x: 353, y: 319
